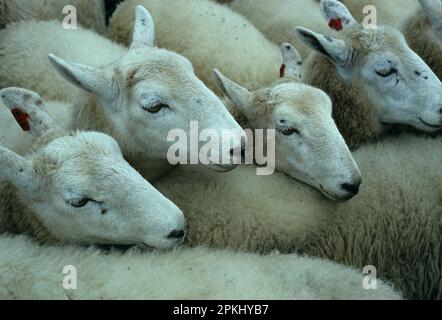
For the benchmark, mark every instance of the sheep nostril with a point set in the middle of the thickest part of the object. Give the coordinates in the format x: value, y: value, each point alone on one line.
x: 177, y: 234
x: 351, y: 188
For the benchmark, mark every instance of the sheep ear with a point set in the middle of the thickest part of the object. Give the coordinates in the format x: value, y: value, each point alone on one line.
x: 292, y: 65
x: 18, y: 171
x: 96, y: 81
x: 28, y: 109
x: 144, y: 29
x: 337, y: 15
x: 334, y: 49
x: 241, y: 97
x: 433, y: 11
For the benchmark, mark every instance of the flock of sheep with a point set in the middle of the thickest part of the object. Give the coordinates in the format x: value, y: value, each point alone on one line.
x: 85, y: 115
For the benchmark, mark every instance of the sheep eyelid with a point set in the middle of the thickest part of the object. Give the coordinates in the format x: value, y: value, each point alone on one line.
x: 79, y: 202
x: 387, y: 73
x: 288, y: 131
x: 155, y: 108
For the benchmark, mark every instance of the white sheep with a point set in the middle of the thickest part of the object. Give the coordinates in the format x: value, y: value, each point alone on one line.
x: 77, y: 188
x: 137, y: 96
x: 182, y: 274
x: 424, y: 34
x: 88, y: 13
x: 372, y: 76
x: 392, y: 224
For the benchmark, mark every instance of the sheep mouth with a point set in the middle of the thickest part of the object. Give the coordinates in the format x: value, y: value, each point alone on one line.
x: 333, y: 197
x: 429, y: 124
x: 223, y: 168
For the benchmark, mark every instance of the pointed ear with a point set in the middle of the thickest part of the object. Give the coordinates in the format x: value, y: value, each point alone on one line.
x: 96, y: 81
x: 28, y: 109
x: 18, y: 171
x: 292, y: 61
x: 433, y: 11
x: 337, y: 15
x: 334, y: 49
x: 241, y: 97
x: 144, y: 29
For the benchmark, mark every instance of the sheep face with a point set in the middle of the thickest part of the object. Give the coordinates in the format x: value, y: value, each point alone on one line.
x: 308, y: 146
x: 381, y: 67
x: 164, y: 94
x: 149, y: 92
x: 90, y: 194
x: 399, y: 84
x: 81, y: 189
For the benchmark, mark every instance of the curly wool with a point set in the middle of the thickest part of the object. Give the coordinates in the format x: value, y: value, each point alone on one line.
x: 197, y: 273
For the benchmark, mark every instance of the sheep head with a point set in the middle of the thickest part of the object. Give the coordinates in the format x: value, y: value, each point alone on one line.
x: 308, y: 145
x: 396, y: 83
x: 79, y: 187
x: 149, y: 92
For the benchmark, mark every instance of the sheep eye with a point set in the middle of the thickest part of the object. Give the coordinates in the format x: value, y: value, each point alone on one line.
x: 289, y: 131
x: 155, y: 108
x: 386, y: 72
x: 79, y: 203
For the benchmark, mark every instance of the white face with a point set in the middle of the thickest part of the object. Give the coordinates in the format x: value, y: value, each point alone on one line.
x: 403, y: 88
x: 309, y: 146
x: 94, y: 196
x: 398, y: 84
x: 148, y: 93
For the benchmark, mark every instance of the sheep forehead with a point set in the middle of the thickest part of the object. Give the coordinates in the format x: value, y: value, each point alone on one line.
x: 364, y: 41
x: 300, y: 99
x: 84, y: 145
x: 155, y: 64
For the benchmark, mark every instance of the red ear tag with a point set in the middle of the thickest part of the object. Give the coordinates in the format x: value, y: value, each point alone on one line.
x: 335, y: 24
x: 21, y: 118
x: 282, y: 71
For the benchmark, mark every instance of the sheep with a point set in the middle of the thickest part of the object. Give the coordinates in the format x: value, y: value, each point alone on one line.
x: 373, y: 77
x: 197, y: 273
x: 138, y: 98
x: 423, y: 34
x: 392, y: 13
x: 77, y: 188
x: 89, y: 13
x: 211, y: 31
x: 392, y: 224
x: 276, y: 18
x: 308, y: 145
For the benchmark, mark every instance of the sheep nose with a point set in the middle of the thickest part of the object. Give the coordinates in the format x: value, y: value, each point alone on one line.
x: 177, y: 234
x: 351, y: 188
